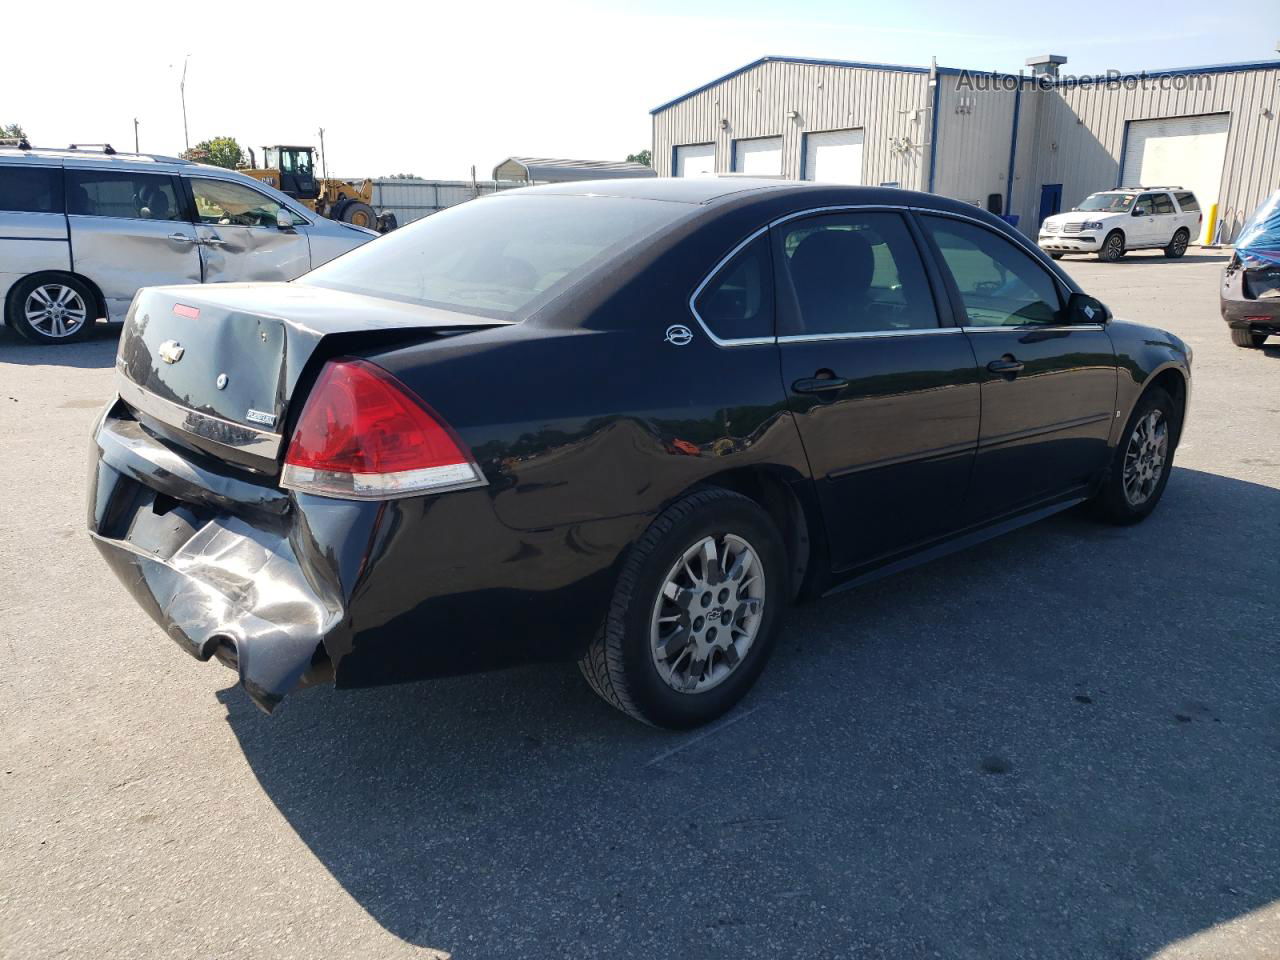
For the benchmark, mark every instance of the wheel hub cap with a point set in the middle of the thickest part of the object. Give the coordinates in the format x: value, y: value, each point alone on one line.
x: 1144, y: 458
x: 707, y: 613
x: 55, y: 310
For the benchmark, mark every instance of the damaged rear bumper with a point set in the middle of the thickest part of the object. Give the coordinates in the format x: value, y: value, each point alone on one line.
x: 225, y: 565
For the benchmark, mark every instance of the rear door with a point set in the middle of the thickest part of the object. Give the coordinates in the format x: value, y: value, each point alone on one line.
x: 884, y: 391
x: 239, y: 238
x: 129, y: 230
x: 1048, y: 389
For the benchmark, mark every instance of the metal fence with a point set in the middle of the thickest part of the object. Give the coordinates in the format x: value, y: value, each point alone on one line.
x: 412, y: 200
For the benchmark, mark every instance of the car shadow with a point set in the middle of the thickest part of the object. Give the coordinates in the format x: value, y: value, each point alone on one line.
x: 1150, y: 257
x: 1062, y: 743
x: 96, y: 350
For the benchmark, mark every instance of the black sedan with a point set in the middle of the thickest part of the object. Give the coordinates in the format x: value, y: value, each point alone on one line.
x: 625, y: 423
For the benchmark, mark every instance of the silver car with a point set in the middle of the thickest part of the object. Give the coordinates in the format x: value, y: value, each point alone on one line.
x: 81, y: 231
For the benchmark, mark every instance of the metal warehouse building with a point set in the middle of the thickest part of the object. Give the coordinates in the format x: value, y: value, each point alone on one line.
x: 1028, y: 145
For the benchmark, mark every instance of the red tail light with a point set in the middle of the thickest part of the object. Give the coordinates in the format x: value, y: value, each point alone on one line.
x: 363, y: 435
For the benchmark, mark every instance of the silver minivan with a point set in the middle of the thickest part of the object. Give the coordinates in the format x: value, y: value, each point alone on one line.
x: 82, y: 230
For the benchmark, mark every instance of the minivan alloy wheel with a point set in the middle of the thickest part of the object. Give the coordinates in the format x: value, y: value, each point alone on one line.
x: 707, y: 614
x: 1145, y: 457
x: 55, y: 310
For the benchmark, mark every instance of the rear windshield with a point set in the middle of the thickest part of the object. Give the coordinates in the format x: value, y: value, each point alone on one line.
x: 496, y: 256
x: 1109, y: 202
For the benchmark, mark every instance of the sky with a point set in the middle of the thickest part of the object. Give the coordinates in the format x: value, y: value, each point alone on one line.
x: 433, y: 89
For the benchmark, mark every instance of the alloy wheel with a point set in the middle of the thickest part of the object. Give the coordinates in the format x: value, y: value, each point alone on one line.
x: 708, y: 613
x: 1145, y: 457
x: 55, y: 310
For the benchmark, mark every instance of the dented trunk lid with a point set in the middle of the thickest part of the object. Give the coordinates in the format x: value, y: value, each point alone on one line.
x: 214, y: 367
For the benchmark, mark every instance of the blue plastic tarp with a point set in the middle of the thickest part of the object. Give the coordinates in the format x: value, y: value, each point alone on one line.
x: 1258, y: 244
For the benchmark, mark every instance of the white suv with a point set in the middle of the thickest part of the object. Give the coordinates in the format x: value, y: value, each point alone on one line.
x: 1132, y: 218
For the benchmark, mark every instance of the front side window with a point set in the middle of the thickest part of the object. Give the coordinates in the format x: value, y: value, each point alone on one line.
x: 1000, y: 285
x: 497, y: 255
x: 30, y: 189
x: 738, y: 302
x: 854, y: 273
x: 133, y: 196
x: 1145, y: 206
x: 233, y: 204
x: 1161, y: 203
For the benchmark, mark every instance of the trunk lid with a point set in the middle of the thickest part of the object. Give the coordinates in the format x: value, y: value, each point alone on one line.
x: 214, y: 367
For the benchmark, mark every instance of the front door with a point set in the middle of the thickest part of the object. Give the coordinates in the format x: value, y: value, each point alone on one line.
x: 884, y: 394
x: 1144, y: 228
x: 239, y: 237
x: 129, y: 230
x: 1050, y: 200
x: 1048, y: 388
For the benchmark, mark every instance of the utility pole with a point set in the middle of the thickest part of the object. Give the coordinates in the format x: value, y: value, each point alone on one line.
x: 324, y: 157
x: 136, y: 149
x: 182, y: 90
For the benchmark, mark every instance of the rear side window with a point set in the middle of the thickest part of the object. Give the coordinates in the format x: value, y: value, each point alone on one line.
x: 1188, y: 202
x: 738, y: 302
x: 1000, y: 285
x: 133, y: 196
x: 30, y: 189
x: 1163, y: 204
x: 854, y: 273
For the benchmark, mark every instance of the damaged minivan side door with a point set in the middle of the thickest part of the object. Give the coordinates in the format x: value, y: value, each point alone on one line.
x: 240, y: 236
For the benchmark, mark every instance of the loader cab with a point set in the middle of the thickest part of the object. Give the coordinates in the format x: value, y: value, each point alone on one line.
x: 297, y: 170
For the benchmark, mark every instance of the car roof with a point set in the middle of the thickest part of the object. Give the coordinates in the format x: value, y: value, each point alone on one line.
x: 1141, y: 190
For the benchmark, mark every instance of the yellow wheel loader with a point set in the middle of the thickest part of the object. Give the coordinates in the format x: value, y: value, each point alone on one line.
x: 292, y: 171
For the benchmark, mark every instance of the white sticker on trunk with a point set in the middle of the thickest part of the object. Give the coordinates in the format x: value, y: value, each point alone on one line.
x: 257, y: 416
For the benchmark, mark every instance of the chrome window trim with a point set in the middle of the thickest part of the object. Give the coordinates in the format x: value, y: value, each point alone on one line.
x: 866, y: 334
x: 261, y: 443
x: 1021, y: 240
x: 1035, y: 328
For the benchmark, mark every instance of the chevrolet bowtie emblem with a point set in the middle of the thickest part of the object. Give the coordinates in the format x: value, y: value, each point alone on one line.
x: 171, y: 351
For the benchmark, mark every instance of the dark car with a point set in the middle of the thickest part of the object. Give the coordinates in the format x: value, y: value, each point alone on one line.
x: 1250, y: 295
x: 624, y: 423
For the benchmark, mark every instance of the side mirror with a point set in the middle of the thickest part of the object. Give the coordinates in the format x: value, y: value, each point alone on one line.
x: 284, y: 219
x: 1140, y: 211
x: 1082, y: 308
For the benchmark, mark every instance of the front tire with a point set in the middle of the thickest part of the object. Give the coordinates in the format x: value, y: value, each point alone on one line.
x: 1178, y: 245
x: 1143, y: 460
x: 1112, y: 247
x: 52, y: 308
x: 360, y: 214
x: 1056, y: 256
x: 695, y: 612
x: 1247, y: 338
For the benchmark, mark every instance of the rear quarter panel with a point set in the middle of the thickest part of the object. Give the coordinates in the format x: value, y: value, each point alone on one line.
x: 29, y: 243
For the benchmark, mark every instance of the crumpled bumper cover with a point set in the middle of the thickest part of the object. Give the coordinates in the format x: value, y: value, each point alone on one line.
x: 238, y: 592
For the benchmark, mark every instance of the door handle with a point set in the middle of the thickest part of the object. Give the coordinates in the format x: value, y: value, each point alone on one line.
x: 1007, y: 366
x: 214, y: 241
x: 182, y: 238
x: 819, y: 384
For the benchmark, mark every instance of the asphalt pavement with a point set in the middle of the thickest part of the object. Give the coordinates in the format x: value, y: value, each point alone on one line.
x: 1062, y: 744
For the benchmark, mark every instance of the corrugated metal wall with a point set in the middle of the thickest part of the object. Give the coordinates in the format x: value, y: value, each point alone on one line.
x: 974, y: 132
x: 1073, y: 135
x: 890, y: 105
x: 412, y: 200
x: 1080, y: 133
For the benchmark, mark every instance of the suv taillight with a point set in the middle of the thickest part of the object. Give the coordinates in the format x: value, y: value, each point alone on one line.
x: 363, y: 435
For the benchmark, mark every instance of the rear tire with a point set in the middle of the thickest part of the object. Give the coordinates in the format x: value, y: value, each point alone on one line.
x: 1142, y: 462
x: 360, y: 214
x: 1247, y: 338
x: 1178, y: 245
x: 1112, y: 247
x: 1056, y: 256
x: 671, y: 604
x: 52, y: 308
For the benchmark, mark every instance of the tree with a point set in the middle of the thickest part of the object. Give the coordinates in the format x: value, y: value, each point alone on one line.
x: 12, y: 131
x: 644, y: 157
x: 220, y: 151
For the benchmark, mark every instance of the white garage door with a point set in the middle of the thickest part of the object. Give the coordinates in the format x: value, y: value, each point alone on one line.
x: 695, y: 160
x: 1181, y: 151
x: 834, y: 156
x: 761, y: 156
